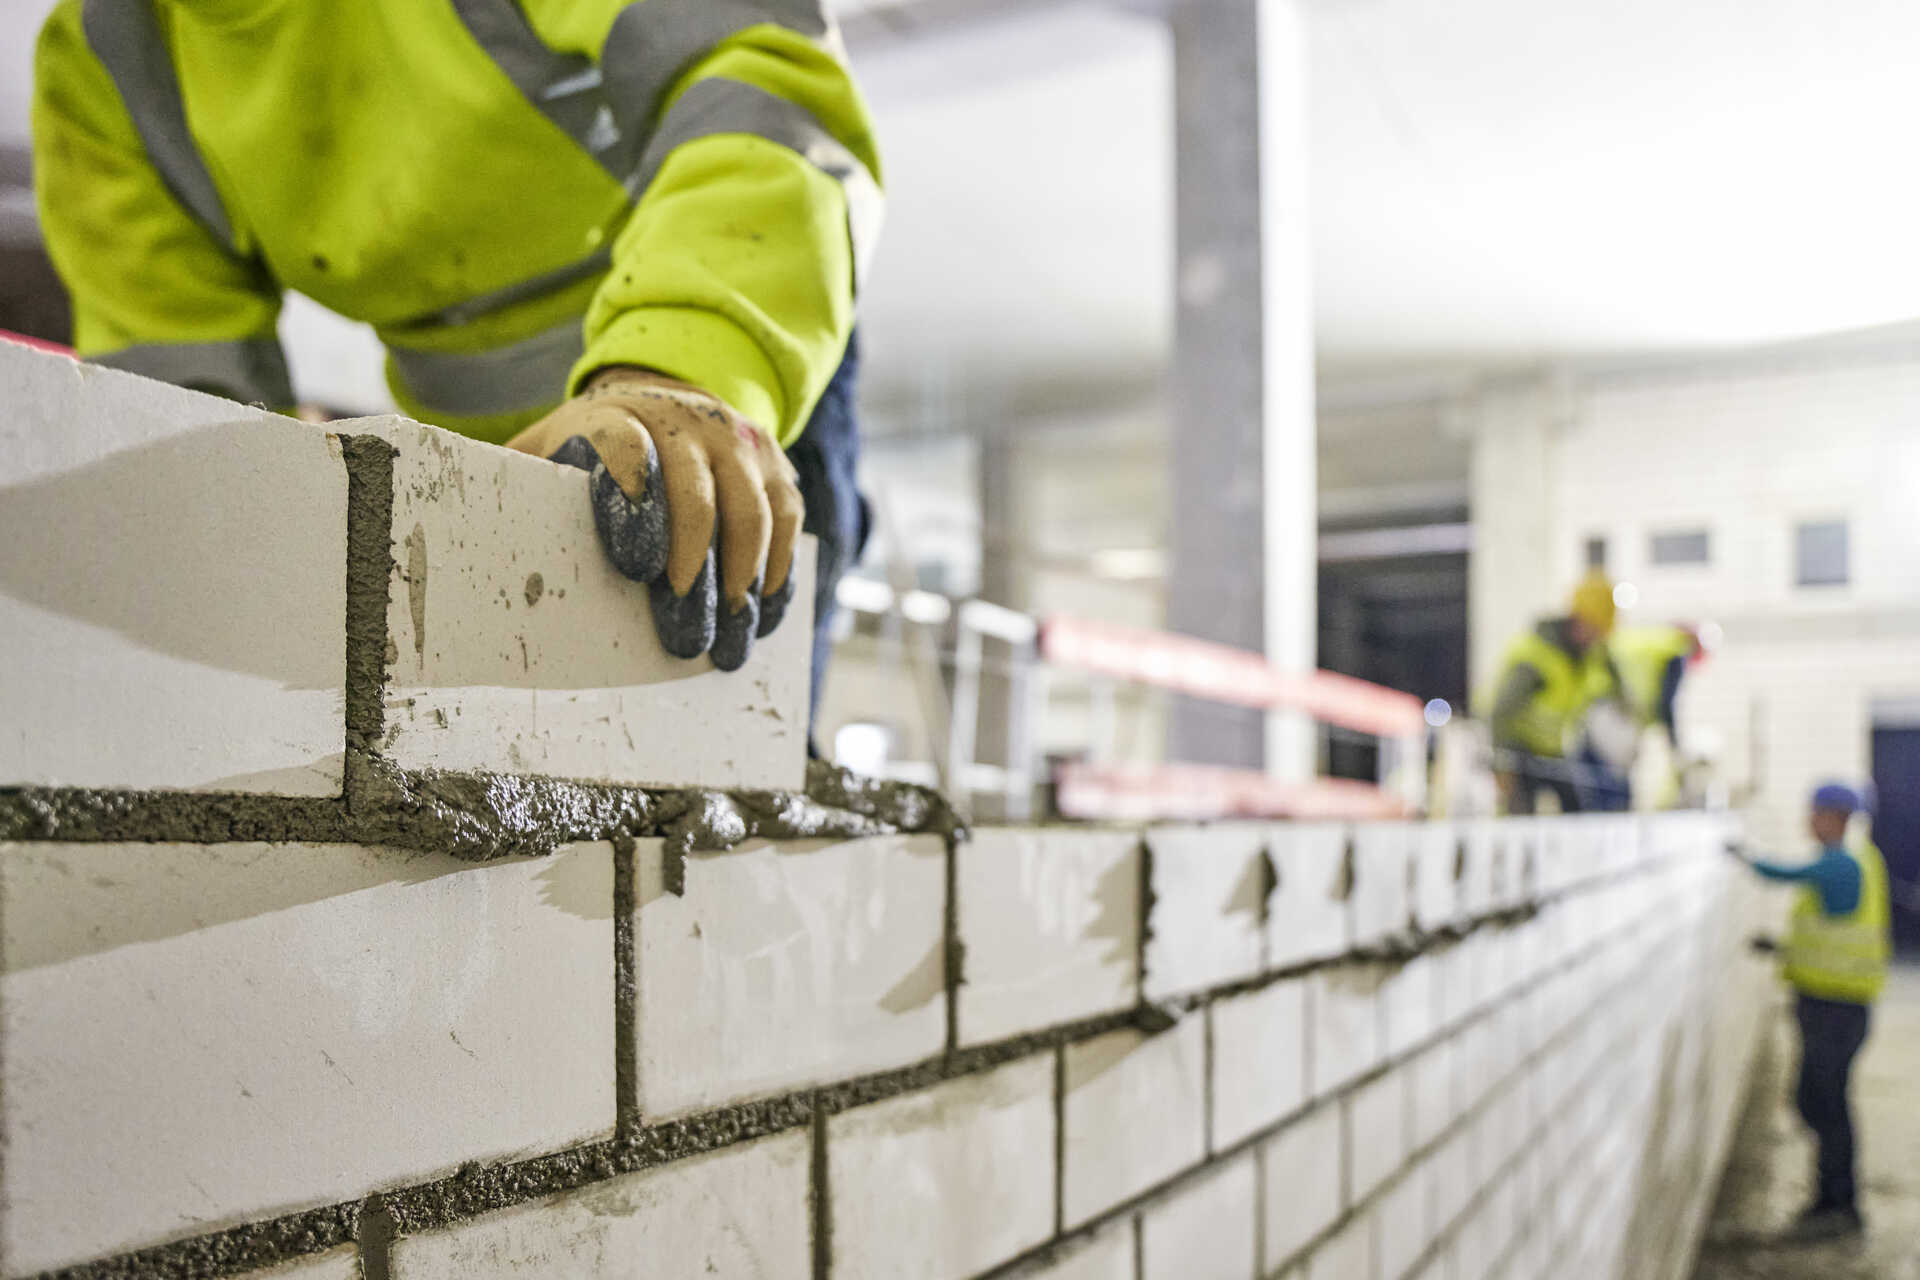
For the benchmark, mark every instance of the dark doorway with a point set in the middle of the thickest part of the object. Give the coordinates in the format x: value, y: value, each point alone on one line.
x: 1896, y: 823
x: 1393, y: 610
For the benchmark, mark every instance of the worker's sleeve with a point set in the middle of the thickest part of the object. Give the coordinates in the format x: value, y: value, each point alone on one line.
x: 1513, y: 698
x: 758, y: 200
x: 1670, y: 678
x: 1834, y: 875
x: 155, y: 288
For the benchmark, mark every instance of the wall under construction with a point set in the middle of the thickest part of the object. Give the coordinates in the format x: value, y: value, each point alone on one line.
x: 358, y: 920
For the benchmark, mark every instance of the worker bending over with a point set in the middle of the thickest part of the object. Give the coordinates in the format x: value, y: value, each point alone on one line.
x: 1548, y: 678
x: 1651, y: 661
x: 625, y: 236
x: 1835, y: 958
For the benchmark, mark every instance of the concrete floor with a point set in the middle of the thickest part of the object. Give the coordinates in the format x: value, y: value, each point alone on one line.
x: 1768, y: 1177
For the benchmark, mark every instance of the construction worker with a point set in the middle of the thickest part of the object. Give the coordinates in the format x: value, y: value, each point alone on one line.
x: 1550, y: 675
x: 625, y: 236
x: 1651, y: 661
x: 1835, y: 958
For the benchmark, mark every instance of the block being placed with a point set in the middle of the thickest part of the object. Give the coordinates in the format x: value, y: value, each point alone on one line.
x: 195, y: 1036
x: 1307, y: 916
x: 1209, y: 890
x: 949, y: 1181
x: 1206, y: 1228
x: 740, y: 1211
x: 515, y: 646
x: 1259, y: 1058
x: 1135, y: 1114
x: 1050, y: 927
x: 786, y: 964
x: 172, y: 587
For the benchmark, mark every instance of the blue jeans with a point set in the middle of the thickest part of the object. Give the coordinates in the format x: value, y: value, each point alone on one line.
x: 826, y: 455
x: 1831, y: 1033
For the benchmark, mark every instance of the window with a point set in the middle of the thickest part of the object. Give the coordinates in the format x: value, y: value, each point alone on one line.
x: 1596, y: 552
x: 1680, y: 546
x: 1820, y: 553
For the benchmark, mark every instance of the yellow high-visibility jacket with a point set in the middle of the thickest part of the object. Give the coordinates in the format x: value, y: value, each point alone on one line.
x: 1642, y: 655
x: 1842, y: 957
x: 514, y: 193
x: 1563, y: 686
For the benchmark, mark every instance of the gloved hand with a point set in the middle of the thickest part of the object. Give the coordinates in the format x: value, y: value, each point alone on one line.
x: 672, y: 465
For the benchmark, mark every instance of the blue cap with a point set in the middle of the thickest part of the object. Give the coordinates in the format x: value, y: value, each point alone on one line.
x: 1836, y: 796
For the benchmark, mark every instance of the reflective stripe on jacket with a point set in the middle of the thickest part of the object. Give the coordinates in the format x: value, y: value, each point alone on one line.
x: 1842, y: 957
x: 1568, y: 686
x: 695, y: 180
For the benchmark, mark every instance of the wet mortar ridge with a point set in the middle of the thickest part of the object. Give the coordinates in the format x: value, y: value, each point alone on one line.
x: 478, y: 817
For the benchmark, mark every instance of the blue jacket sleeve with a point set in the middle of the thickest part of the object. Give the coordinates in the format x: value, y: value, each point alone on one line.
x: 1834, y: 875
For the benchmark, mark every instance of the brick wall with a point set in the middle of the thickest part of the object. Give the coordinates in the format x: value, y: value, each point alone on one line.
x: 447, y: 1010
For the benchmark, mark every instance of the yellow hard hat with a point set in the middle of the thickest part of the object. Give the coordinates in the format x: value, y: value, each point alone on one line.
x: 1593, y: 602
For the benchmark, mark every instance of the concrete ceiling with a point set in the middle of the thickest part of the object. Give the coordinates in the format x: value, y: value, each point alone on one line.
x: 1493, y: 180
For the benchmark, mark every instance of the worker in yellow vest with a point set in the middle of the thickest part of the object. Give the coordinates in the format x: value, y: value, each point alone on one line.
x: 1548, y: 678
x: 625, y: 236
x: 1651, y: 662
x: 1835, y: 958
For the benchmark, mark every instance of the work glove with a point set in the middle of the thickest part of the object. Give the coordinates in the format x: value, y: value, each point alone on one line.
x: 690, y: 498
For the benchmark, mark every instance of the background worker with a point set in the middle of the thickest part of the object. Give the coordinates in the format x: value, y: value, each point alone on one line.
x: 622, y: 235
x: 1835, y: 958
x: 1649, y: 661
x: 1549, y: 677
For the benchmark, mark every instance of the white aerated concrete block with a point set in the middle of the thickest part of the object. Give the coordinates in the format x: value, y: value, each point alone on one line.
x: 741, y: 1211
x: 1403, y: 1222
x: 1347, y: 1254
x: 1050, y: 927
x: 1430, y: 1094
x: 1382, y: 862
x: 1135, y: 1114
x: 1204, y: 1229
x: 1307, y: 917
x: 1376, y: 1129
x: 1107, y: 1256
x: 192, y: 1036
x: 516, y: 647
x: 786, y: 964
x: 1478, y: 853
x: 1439, y: 867
x: 1344, y: 1005
x: 335, y: 1264
x: 1259, y: 1059
x: 172, y: 587
x: 1301, y: 1183
x: 1454, y: 1179
x: 1209, y: 889
x: 1410, y: 1004
x: 946, y: 1182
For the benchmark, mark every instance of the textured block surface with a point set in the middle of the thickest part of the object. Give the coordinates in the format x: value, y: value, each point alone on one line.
x: 787, y: 964
x: 1301, y: 1185
x: 1205, y: 1229
x: 1344, y: 1003
x: 517, y: 648
x: 195, y: 1035
x: 1259, y: 1059
x: 1307, y: 917
x: 1376, y: 1132
x: 1050, y: 924
x: 947, y: 1182
x: 172, y: 587
x: 1382, y: 856
x: 1209, y: 888
x: 1135, y: 1114
x: 740, y: 1211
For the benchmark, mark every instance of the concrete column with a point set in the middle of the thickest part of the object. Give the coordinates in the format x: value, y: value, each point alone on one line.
x: 1242, y: 455
x: 1512, y: 577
